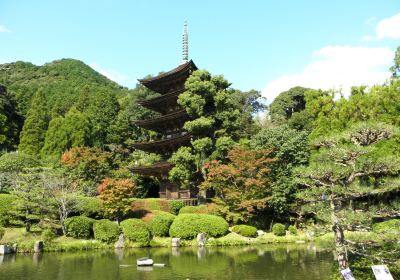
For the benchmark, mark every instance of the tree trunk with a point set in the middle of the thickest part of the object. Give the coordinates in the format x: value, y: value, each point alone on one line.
x: 339, y: 238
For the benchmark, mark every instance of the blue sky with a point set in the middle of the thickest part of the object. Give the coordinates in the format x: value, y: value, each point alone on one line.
x: 265, y: 45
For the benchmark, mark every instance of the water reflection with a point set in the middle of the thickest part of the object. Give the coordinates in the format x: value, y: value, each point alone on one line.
x: 262, y: 262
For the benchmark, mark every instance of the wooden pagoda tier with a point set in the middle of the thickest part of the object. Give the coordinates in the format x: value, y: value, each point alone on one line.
x: 158, y: 169
x: 165, y: 123
x: 164, y: 103
x: 165, y: 146
x: 172, y: 80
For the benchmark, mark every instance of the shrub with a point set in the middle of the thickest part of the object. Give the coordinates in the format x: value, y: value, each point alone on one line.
x: 292, y: 229
x: 48, y: 235
x: 245, y: 230
x: 2, y: 231
x: 106, y: 231
x: 89, y: 207
x: 187, y: 226
x: 17, y: 162
x: 175, y: 206
x: 211, y: 209
x: 278, y: 229
x: 6, y: 208
x: 391, y: 227
x: 79, y: 227
x: 136, y: 230
x: 160, y: 224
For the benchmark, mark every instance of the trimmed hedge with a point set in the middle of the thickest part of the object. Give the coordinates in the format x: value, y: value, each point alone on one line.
x: 279, y: 229
x: 292, y: 229
x: 245, y: 230
x: 136, y: 230
x: 391, y: 227
x: 90, y: 207
x: 161, y: 223
x: 6, y: 208
x: 211, y: 209
x: 187, y: 226
x: 106, y: 231
x: 79, y: 227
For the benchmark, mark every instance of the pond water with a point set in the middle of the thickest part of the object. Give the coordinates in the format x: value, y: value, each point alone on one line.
x: 284, y: 262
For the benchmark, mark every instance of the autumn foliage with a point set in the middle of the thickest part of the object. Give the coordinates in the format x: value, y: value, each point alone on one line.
x: 242, y: 185
x: 116, y: 196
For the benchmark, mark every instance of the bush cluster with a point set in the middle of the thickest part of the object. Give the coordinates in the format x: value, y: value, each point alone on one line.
x: 90, y: 207
x: 136, y: 230
x: 48, y: 235
x: 187, y: 226
x: 292, y: 229
x: 161, y: 223
x: 245, y: 230
x: 106, y: 231
x: 6, y: 208
x: 211, y: 209
x: 391, y: 227
x: 79, y: 227
x: 175, y: 206
x: 279, y: 229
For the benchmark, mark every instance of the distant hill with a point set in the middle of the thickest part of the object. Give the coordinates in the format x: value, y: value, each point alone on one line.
x: 62, y: 81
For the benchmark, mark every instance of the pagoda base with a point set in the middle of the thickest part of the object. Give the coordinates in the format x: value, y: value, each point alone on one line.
x: 169, y: 190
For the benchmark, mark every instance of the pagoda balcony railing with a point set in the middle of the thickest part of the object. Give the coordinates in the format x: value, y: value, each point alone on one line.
x: 168, y: 117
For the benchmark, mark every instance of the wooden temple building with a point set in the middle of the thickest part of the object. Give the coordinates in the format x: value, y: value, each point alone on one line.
x: 170, y: 124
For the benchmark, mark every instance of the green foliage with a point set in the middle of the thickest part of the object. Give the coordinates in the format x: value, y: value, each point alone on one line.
x: 136, y: 230
x: 245, y: 230
x: 79, y: 227
x: 106, y: 231
x: 187, y: 226
x: 387, y: 227
x: 2, y: 232
x: 175, y: 206
x: 278, y: 229
x: 395, y: 69
x: 16, y: 162
x: 209, y: 208
x: 287, y: 103
x: 7, y: 209
x: 34, y: 130
x: 48, y: 236
x: 292, y: 229
x: 89, y: 206
x: 160, y: 224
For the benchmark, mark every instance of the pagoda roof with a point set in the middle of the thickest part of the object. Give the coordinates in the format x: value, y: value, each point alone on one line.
x: 165, y: 122
x: 161, y: 103
x: 162, y: 83
x: 165, y: 145
x: 157, y: 169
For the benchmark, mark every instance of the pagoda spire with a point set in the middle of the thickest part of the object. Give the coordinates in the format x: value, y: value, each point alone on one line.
x: 185, y: 43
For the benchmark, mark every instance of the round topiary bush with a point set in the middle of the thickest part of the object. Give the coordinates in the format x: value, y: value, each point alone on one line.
x: 137, y: 231
x: 106, y: 231
x: 245, y: 230
x: 292, y: 229
x: 175, y: 206
x: 279, y: 229
x: 161, y: 223
x: 187, y: 226
x: 79, y: 227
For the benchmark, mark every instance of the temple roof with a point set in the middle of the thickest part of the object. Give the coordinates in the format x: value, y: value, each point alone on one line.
x: 166, y: 122
x: 158, y: 169
x: 165, y: 145
x: 166, y: 81
x: 162, y: 103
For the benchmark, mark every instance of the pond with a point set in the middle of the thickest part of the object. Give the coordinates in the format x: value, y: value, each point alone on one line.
x: 291, y: 262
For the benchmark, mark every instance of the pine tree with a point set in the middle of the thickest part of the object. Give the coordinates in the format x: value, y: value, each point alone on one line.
x: 35, y: 126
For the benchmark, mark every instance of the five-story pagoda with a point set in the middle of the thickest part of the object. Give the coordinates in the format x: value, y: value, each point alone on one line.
x: 170, y: 124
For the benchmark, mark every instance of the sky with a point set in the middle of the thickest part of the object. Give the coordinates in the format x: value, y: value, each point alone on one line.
x: 265, y: 45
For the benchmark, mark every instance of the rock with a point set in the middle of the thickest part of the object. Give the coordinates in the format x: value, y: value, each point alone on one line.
x: 201, y: 239
x: 5, y: 249
x: 38, y: 247
x: 176, y: 242
x: 120, y: 243
x: 260, y: 232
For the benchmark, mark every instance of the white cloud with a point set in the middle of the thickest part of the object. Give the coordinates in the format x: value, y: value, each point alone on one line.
x: 4, y: 29
x: 337, y: 67
x: 389, y: 28
x: 111, y: 74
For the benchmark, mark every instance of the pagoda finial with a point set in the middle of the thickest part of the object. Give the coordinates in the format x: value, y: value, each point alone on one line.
x: 185, y: 43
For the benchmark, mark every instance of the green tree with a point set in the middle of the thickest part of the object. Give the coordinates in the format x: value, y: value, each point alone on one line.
x: 395, y: 69
x: 34, y: 130
x: 345, y: 168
